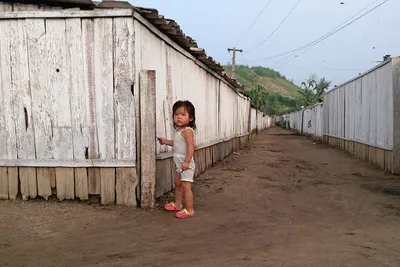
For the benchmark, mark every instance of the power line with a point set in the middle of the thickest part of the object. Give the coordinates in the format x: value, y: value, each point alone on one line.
x: 277, y: 28
x: 320, y: 38
x: 327, y: 36
x: 254, y: 22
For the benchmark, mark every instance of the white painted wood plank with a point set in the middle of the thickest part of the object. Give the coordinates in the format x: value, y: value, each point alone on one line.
x: 58, y: 84
x: 124, y: 71
x: 125, y: 110
x: 5, y: 90
x: 358, y: 111
x: 22, y: 106
x: 389, y: 104
x: 67, y: 13
x: 104, y: 87
x: 372, y: 97
x: 381, y: 84
x: 76, y: 88
x: 41, y: 99
x: 89, y: 70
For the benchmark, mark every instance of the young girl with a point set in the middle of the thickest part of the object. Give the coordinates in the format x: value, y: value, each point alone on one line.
x: 183, y: 150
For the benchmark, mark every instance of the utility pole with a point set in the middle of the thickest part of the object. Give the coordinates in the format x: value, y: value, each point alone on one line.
x: 233, y: 50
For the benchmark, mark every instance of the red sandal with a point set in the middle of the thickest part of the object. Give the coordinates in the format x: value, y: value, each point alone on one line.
x: 184, y: 214
x: 171, y: 207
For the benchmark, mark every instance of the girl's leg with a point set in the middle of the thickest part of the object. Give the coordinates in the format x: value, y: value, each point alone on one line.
x: 187, y: 189
x: 178, y: 191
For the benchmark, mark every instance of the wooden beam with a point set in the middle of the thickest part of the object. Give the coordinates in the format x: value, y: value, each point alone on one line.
x: 147, y: 102
x: 77, y: 163
x: 98, y: 13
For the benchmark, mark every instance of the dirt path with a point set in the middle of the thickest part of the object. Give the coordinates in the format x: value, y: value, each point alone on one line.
x: 285, y: 201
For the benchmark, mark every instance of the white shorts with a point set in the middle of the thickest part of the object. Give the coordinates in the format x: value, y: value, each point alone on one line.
x: 188, y: 175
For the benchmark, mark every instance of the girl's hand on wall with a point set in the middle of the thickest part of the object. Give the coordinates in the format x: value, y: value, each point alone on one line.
x: 162, y: 141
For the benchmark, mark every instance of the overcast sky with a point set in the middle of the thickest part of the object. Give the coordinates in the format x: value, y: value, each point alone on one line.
x: 219, y: 24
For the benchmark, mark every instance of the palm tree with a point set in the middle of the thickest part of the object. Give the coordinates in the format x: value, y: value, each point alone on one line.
x: 307, y: 90
x: 321, y: 87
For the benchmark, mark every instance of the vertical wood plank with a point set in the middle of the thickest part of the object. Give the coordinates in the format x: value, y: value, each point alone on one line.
x: 94, y: 186
x: 28, y: 182
x: 104, y: 87
x: 125, y: 113
x: 126, y: 187
x: 7, y: 127
x: 65, y: 183
x: 147, y: 83
x: 12, y: 182
x: 81, y: 184
x: 58, y: 82
x: 396, y: 114
x: 162, y: 177
x: 94, y: 181
x: 388, y: 160
x: 22, y: 106
x: 77, y: 90
x: 125, y: 110
x: 3, y: 183
x: 44, y: 182
x: 380, y: 157
x: 107, y: 185
x: 41, y: 99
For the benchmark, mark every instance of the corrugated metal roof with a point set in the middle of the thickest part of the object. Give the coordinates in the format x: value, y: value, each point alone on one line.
x: 168, y: 26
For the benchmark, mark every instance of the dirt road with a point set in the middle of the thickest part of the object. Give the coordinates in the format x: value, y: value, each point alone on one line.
x: 285, y: 201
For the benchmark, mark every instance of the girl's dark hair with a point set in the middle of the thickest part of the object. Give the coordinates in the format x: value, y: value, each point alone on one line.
x: 190, y: 109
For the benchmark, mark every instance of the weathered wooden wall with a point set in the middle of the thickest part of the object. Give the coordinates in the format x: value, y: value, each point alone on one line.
x: 358, y: 116
x: 295, y: 120
x: 253, y: 119
x: 68, y: 119
x: 222, y: 115
x: 308, y: 120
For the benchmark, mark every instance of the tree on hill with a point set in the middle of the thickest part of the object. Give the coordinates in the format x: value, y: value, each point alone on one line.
x: 271, y: 103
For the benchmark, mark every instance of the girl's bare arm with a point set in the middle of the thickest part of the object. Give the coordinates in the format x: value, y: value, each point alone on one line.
x: 164, y: 141
x: 189, y: 137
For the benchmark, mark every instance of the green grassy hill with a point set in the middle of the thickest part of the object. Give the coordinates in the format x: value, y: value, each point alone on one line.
x: 268, y: 78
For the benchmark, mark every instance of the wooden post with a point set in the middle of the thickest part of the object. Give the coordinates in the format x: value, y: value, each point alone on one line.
x: 302, y: 121
x: 147, y: 106
x: 396, y: 114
